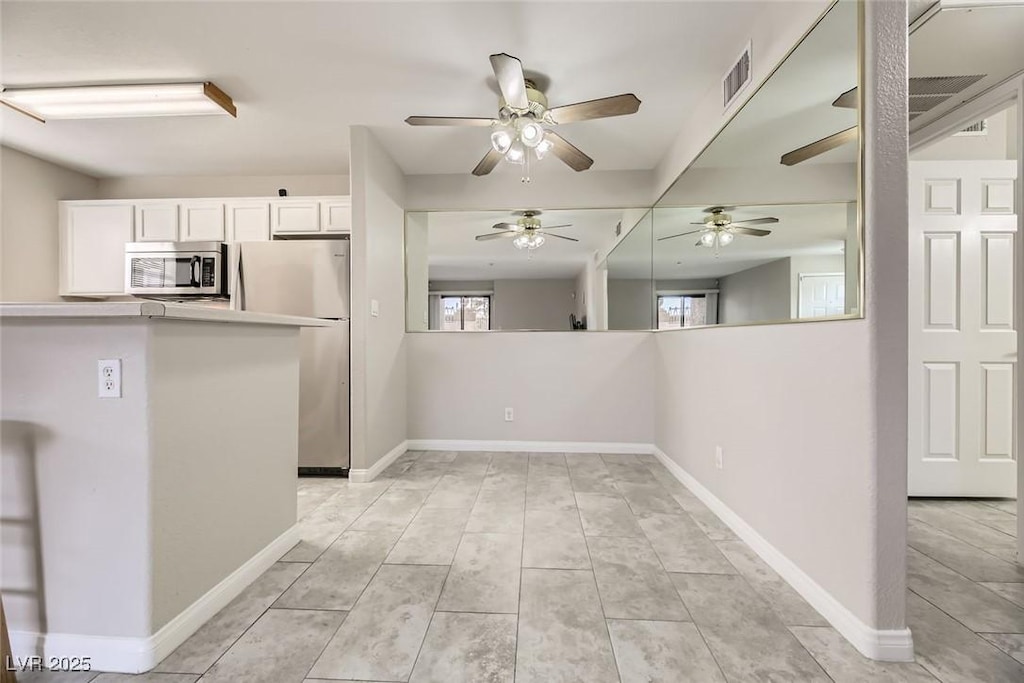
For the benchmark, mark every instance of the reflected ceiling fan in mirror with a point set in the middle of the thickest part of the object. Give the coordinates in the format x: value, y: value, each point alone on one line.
x: 526, y: 233
x: 848, y: 100
x: 522, y: 128
x: 720, y: 229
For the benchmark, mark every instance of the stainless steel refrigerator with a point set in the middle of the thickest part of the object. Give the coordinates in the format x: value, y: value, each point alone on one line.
x: 308, y: 278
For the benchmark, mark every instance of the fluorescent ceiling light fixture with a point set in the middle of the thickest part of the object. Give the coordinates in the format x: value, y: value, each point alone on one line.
x: 119, y: 101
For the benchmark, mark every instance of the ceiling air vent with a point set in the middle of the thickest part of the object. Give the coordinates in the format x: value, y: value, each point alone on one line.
x: 737, y: 78
x: 928, y: 92
x: 979, y: 128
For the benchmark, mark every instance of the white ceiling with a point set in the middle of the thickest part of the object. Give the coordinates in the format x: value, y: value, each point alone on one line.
x: 302, y: 73
x: 454, y: 254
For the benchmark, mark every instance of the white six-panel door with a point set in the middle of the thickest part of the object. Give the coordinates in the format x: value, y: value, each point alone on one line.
x: 963, y: 341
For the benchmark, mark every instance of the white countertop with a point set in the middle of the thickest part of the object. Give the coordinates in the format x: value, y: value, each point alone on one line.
x: 154, y: 309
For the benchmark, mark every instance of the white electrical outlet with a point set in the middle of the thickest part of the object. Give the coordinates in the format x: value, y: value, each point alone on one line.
x: 374, y: 308
x: 718, y: 457
x: 509, y: 415
x: 109, y: 378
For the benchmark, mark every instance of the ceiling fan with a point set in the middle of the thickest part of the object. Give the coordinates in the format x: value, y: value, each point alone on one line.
x: 526, y: 233
x: 848, y: 100
x: 719, y: 228
x: 522, y: 127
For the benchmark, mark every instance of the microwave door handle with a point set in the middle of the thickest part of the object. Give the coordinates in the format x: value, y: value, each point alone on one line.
x: 194, y: 271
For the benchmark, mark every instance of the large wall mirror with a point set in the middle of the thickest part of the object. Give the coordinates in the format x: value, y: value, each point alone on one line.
x: 529, y: 269
x: 764, y: 225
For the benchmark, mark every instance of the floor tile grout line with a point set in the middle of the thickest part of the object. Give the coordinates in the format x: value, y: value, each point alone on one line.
x: 519, y: 596
x: 949, y: 533
x: 253, y: 623
x: 430, y: 622
x: 600, y: 603
x: 964, y: 576
x: 958, y: 621
x: 938, y: 506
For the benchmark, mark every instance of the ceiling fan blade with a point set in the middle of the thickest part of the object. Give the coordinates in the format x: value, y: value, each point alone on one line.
x: 682, y: 234
x: 757, y: 221
x: 848, y: 100
x: 495, y: 235
x: 819, y: 147
x: 505, y: 226
x: 753, y: 232
x: 448, y: 121
x: 617, y: 105
x: 488, y: 163
x: 509, y: 72
x: 571, y: 239
x: 569, y: 153
x: 553, y: 227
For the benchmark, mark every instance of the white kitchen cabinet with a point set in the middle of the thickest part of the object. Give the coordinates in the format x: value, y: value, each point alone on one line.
x: 156, y: 222
x: 248, y: 221
x: 336, y: 214
x: 294, y: 216
x: 202, y: 221
x: 92, y: 247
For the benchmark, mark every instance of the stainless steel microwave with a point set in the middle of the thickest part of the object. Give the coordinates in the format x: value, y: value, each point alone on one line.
x: 175, y: 269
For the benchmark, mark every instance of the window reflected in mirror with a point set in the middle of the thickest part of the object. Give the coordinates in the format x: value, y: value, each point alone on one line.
x: 529, y: 269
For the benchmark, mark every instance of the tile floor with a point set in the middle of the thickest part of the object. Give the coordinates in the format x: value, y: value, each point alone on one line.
x: 542, y: 568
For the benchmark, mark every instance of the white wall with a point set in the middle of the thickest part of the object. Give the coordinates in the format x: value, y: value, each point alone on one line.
x: 156, y: 187
x: 552, y: 188
x: 563, y: 386
x: 630, y: 304
x: 205, y: 387
x: 773, y: 32
x: 823, y: 481
x: 999, y: 142
x: 116, y: 515
x: 29, y: 249
x: 417, y: 271
x: 532, y: 304
x: 757, y: 294
x: 809, y: 183
x: 378, y: 273
x: 56, y: 437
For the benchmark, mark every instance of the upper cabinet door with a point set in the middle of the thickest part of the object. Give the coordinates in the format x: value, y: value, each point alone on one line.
x: 248, y: 221
x: 157, y: 222
x: 336, y: 214
x: 92, y: 248
x: 294, y: 215
x: 202, y: 222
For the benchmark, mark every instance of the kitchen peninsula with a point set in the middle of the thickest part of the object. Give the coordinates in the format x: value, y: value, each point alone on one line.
x: 143, y: 514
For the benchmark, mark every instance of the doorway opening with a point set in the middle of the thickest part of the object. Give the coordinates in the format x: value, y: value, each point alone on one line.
x: 964, y: 395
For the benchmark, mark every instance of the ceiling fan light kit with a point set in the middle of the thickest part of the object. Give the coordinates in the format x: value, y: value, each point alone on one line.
x: 720, y: 229
x: 523, y: 127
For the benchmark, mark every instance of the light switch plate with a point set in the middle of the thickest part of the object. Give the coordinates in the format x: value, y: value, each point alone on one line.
x: 374, y: 308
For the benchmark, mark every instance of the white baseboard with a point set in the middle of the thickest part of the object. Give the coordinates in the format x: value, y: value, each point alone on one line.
x: 529, y: 446
x: 137, y: 655
x: 361, y: 476
x: 884, y: 645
